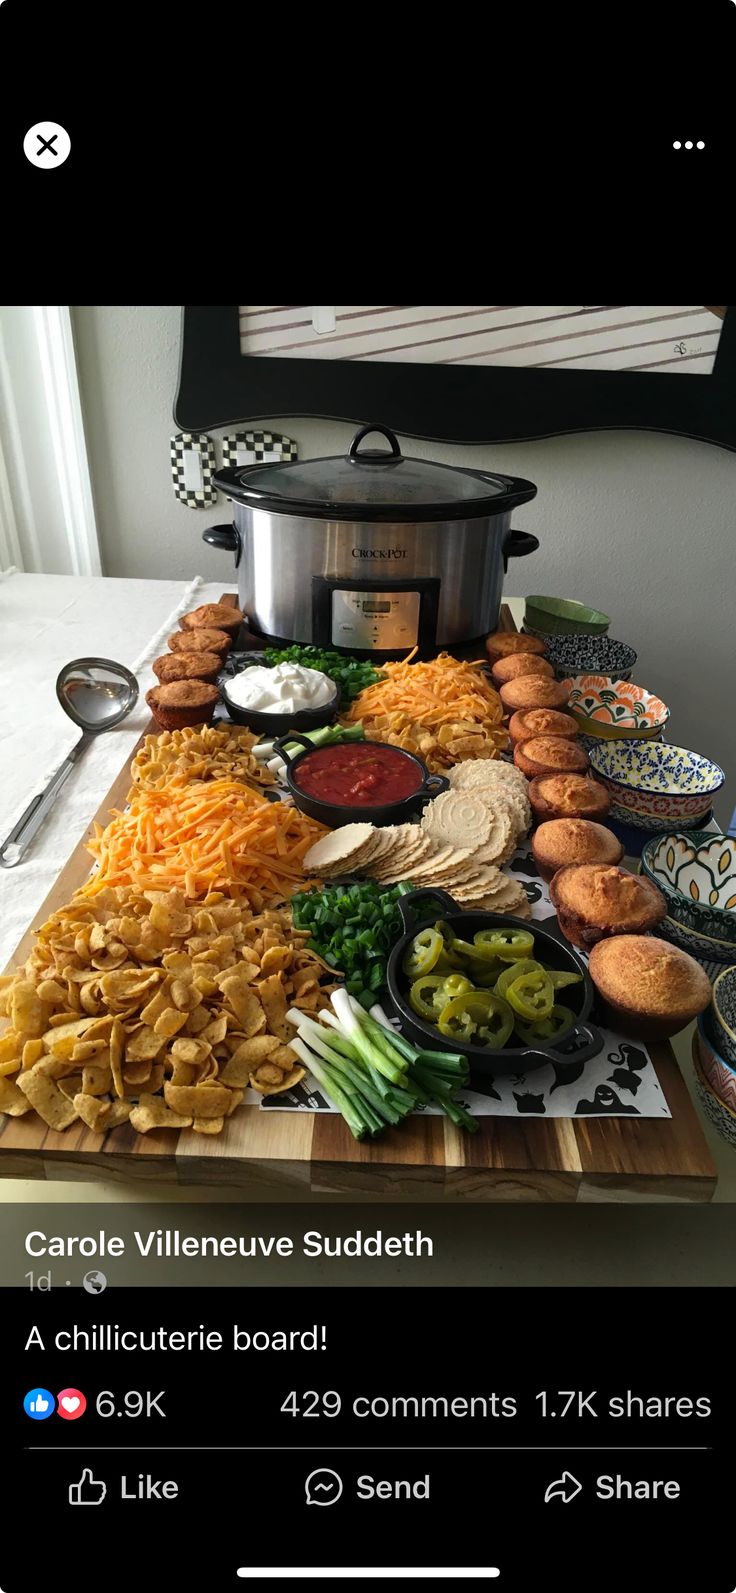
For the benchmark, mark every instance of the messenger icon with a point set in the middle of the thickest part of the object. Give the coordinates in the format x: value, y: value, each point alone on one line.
x: 323, y: 1487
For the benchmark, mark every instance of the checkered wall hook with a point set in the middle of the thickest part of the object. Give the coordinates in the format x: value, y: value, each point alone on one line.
x: 257, y: 448
x: 192, y: 467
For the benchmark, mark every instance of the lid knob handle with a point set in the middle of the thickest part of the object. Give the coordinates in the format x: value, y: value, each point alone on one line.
x: 374, y: 456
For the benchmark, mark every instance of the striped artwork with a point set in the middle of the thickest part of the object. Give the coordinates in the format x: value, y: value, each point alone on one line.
x: 606, y: 337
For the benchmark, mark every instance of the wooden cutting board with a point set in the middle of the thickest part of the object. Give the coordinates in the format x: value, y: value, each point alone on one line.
x: 303, y: 1153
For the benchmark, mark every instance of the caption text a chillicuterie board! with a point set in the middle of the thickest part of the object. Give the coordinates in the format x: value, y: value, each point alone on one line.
x: 169, y: 1243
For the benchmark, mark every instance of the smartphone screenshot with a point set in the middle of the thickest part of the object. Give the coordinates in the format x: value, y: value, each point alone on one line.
x: 367, y: 814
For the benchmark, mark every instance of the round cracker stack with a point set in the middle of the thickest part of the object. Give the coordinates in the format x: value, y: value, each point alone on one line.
x: 464, y: 836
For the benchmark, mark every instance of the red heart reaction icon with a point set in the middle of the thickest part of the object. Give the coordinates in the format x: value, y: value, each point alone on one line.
x: 71, y: 1404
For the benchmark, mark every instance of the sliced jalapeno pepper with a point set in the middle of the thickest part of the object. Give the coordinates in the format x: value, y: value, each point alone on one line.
x: 455, y: 984
x: 508, y: 944
x: 448, y: 939
x: 422, y: 953
x: 485, y: 973
x: 465, y: 951
x: 560, y: 979
x: 479, y: 1017
x: 514, y: 970
x: 552, y: 1028
x: 531, y: 996
x: 421, y: 995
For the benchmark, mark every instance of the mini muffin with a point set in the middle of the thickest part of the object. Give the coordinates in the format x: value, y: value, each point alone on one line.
x: 503, y: 643
x: 562, y: 841
x: 542, y: 722
x: 550, y: 755
x: 595, y: 900
x: 649, y: 989
x: 534, y: 691
x: 520, y: 664
x: 202, y: 641
x: 182, y: 703
x: 568, y: 796
x: 187, y: 666
x: 213, y: 617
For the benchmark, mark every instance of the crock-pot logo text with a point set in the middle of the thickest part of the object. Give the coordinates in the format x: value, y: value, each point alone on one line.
x: 379, y: 553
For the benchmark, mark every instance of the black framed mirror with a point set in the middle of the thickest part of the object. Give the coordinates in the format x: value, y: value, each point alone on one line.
x: 425, y: 372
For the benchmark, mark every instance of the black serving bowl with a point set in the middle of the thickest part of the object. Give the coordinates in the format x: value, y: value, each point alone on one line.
x: 335, y: 815
x: 577, y: 1045
x: 276, y: 724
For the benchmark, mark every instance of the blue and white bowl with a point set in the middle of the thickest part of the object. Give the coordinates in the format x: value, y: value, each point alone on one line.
x: 713, y: 955
x: 590, y: 655
x: 723, y: 1014
x: 654, y: 785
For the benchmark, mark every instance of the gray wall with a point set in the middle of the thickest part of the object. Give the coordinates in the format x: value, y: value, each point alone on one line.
x: 638, y: 524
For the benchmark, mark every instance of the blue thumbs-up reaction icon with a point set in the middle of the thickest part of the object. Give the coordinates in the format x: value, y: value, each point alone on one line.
x: 38, y: 1404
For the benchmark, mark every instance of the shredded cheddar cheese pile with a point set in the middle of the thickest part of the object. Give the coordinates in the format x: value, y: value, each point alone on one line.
x: 198, y: 838
x: 444, y: 710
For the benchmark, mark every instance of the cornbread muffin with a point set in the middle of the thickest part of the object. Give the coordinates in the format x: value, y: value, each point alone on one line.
x: 568, y: 796
x: 503, y: 643
x: 201, y: 641
x: 213, y: 616
x: 562, y: 841
x: 534, y: 691
x: 649, y: 989
x: 187, y: 666
x: 550, y: 755
x: 542, y: 722
x: 516, y: 664
x: 181, y: 703
x: 594, y: 901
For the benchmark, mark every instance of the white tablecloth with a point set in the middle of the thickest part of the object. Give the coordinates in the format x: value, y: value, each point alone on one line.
x: 46, y: 620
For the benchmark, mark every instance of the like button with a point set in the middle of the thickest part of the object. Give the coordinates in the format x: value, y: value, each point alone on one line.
x: 39, y: 1404
x: 88, y: 1491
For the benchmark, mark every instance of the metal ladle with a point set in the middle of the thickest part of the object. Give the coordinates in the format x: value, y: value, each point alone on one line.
x: 97, y: 694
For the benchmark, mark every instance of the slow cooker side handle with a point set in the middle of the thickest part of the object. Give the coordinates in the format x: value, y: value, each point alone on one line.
x: 224, y: 536
x: 518, y: 543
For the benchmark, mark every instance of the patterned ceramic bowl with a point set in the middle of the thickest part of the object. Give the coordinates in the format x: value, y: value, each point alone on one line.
x: 719, y: 1074
x: 696, y: 871
x: 562, y: 616
x: 713, y: 955
x: 651, y: 783
x: 614, y: 708
x: 716, y: 1110
x: 596, y: 655
x: 724, y: 1014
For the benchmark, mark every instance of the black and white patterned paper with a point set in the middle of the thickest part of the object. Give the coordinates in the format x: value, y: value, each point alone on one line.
x: 619, y: 1082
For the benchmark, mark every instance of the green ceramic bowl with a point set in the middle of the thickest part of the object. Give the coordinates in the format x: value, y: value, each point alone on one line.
x: 562, y: 616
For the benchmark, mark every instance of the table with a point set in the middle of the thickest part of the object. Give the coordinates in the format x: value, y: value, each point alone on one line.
x: 556, y: 1160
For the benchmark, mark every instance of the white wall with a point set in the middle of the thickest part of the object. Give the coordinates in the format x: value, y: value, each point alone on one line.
x: 638, y: 524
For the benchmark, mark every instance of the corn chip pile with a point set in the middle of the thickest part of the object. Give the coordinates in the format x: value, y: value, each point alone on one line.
x: 155, y: 1010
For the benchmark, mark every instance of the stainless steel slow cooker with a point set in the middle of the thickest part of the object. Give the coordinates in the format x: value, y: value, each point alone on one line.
x: 373, y: 551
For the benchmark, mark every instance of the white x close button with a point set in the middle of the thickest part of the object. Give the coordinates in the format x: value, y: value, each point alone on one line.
x: 47, y: 145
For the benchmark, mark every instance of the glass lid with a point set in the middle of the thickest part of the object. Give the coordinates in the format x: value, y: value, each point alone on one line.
x: 374, y: 484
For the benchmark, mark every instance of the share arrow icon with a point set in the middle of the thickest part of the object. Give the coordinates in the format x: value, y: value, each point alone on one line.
x: 564, y: 1488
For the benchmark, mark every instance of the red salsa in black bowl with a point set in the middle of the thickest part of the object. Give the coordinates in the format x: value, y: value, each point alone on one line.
x: 358, y: 782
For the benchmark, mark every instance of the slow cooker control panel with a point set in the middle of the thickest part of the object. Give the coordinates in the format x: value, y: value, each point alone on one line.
x: 375, y: 620
x: 381, y: 617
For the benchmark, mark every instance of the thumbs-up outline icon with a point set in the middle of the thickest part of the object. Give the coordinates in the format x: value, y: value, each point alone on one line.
x: 87, y: 1491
